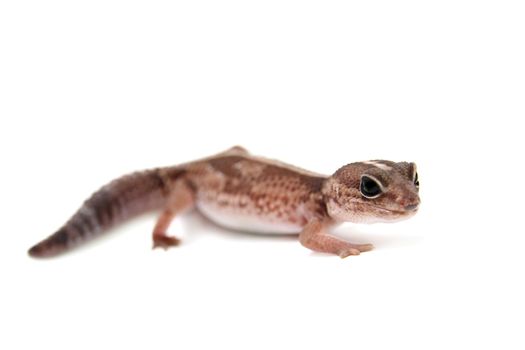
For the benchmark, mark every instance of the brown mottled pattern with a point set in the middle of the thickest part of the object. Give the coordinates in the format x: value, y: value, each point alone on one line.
x: 119, y: 200
x: 270, y: 174
x: 253, y: 186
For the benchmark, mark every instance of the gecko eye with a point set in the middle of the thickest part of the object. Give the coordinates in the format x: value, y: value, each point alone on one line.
x: 369, y: 187
x: 416, y: 181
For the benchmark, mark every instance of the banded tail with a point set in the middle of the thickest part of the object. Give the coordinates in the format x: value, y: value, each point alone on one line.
x: 114, y: 203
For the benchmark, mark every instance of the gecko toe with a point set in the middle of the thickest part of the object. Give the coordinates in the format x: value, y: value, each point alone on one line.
x: 165, y: 242
x: 348, y: 252
x: 365, y: 247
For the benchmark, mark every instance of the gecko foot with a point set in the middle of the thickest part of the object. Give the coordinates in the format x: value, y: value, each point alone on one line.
x: 165, y: 241
x: 355, y: 249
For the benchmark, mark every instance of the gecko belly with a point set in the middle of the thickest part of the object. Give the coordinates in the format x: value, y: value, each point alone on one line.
x: 242, y: 220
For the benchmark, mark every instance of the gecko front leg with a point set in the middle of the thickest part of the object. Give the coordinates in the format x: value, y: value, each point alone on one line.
x: 181, y: 198
x: 315, y: 237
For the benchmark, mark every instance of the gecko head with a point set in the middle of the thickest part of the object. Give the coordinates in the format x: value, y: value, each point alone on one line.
x: 373, y: 191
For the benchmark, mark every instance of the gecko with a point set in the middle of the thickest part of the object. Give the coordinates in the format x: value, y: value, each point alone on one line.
x: 243, y: 192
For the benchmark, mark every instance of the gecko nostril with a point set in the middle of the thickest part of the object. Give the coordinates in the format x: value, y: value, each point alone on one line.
x: 411, y: 207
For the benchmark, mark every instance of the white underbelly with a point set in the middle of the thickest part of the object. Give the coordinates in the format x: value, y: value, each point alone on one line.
x: 242, y: 221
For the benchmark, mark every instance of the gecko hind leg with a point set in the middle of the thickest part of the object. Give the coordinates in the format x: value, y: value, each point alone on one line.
x: 181, y: 198
x: 315, y: 238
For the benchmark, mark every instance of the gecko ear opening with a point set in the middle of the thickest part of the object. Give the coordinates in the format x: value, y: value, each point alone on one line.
x: 370, y: 187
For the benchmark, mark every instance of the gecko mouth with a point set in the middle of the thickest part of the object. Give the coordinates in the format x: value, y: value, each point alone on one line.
x: 396, y: 212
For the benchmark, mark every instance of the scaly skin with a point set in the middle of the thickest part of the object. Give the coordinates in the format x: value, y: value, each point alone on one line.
x: 244, y: 192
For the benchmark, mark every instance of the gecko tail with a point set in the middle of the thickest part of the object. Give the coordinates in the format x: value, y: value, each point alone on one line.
x: 51, y: 246
x: 114, y: 203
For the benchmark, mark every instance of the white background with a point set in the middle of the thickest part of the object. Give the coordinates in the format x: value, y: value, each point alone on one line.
x: 92, y: 90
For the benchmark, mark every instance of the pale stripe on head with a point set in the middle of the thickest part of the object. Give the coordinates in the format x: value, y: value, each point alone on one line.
x: 378, y: 165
